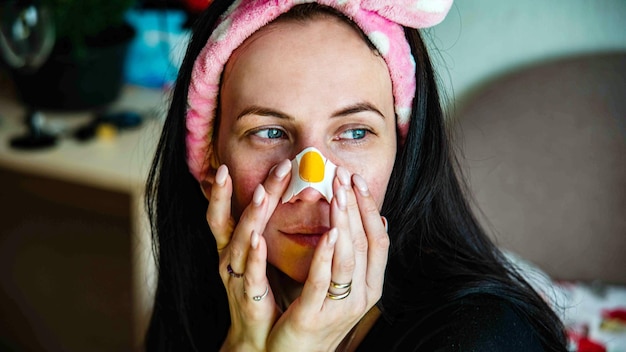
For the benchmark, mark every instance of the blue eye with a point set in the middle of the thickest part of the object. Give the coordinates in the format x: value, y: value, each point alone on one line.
x: 270, y: 133
x: 357, y: 133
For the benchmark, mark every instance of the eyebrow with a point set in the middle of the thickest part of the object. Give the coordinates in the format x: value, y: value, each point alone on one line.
x: 261, y: 111
x: 349, y: 110
x: 357, y: 108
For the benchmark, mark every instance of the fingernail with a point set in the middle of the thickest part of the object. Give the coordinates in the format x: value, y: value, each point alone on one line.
x: 220, y: 176
x: 360, y: 184
x: 259, y: 195
x: 385, y: 223
x: 282, y: 169
x: 332, y: 236
x: 341, y: 198
x: 343, y: 175
x: 254, y: 240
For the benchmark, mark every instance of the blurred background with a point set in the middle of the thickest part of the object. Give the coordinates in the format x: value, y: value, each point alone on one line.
x: 535, y: 95
x: 83, y: 90
x: 534, y: 89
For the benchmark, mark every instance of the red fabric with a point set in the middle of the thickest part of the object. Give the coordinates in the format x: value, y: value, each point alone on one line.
x: 617, y: 314
x: 587, y: 345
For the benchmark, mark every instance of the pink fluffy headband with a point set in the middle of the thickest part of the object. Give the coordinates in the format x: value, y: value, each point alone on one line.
x: 380, y: 20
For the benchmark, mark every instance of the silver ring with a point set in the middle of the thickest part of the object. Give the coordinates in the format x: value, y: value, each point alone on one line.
x: 260, y: 297
x: 339, y: 296
x: 232, y: 273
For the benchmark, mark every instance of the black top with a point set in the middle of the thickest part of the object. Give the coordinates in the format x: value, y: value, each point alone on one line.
x: 478, y: 323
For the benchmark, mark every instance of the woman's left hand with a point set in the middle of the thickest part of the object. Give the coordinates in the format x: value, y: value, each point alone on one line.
x: 353, y: 252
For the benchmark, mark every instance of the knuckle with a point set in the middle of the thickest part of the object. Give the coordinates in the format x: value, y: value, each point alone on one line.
x: 318, y: 285
x: 352, y: 204
x: 248, y: 281
x: 347, y: 265
x: 236, y: 251
x: 271, y: 188
x: 370, y: 208
x: 325, y: 256
x: 360, y: 244
x: 383, y: 241
x: 216, y: 223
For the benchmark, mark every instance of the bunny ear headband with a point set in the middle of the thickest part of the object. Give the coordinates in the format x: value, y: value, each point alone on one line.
x: 380, y: 20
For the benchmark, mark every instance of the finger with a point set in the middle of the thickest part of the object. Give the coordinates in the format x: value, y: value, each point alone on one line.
x: 316, y: 285
x: 355, y: 226
x: 251, y: 220
x: 343, y: 263
x: 256, y: 286
x: 251, y: 303
x: 377, y: 237
x: 218, y: 214
x: 255, y: 278
x: 277, y: 181
x: 255, y: 217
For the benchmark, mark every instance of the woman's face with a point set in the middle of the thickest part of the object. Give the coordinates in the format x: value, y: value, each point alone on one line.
x: 294, y: 85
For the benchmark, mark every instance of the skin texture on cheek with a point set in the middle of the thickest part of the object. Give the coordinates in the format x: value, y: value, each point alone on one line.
x: 248, y: 176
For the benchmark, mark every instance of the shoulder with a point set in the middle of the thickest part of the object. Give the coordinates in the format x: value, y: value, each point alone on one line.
x: 476, y: 323
x: 483, y: 323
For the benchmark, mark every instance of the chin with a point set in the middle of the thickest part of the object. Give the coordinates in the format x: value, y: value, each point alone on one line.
x: 296, y: 271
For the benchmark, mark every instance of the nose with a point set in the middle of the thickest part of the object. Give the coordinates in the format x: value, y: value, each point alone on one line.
x: 312, y: 177
x: 308, y: 195
x: 311, y: 169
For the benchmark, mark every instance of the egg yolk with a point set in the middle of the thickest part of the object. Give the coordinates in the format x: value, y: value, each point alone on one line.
x: 312, y: 167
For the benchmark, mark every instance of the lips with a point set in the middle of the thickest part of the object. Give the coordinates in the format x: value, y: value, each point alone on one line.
x: 308, y: 237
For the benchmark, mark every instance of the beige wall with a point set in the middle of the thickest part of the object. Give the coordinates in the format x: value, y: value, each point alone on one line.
x: 482, y: 39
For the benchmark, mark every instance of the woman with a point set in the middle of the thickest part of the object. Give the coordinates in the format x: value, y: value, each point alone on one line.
x: 392, y: 260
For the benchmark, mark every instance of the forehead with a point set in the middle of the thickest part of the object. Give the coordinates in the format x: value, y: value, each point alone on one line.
x: 324, y: 37
x: 300, y: 56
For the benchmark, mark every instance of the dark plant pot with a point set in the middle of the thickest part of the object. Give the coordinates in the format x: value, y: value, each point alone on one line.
x: 67, y: 81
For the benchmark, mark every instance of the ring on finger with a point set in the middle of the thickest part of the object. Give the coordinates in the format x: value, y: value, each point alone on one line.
x: 340, y: 286
x: 340, y: 296
x: 259, y: 297
x: 232, y: 273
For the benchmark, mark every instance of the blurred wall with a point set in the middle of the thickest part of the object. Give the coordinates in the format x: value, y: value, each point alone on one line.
x: 480, y: 40
x: 542, y: 136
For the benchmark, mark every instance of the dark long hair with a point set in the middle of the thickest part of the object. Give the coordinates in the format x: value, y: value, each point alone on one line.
x: 438, y: 248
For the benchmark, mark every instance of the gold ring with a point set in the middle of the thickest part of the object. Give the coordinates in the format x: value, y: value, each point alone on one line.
x: 339, y: 296
x: 340, y: 286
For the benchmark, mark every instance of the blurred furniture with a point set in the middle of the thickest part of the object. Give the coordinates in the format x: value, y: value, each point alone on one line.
x: 545, y: 155
x: 74, y: 245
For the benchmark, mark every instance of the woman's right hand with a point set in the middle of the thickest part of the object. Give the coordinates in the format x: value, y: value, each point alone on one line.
x: 243, y: 256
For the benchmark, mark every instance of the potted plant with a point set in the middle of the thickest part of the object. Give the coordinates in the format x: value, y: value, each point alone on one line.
x: 85, y: 67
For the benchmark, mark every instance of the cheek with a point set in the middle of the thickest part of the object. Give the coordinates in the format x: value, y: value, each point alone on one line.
x: 378, y: 188
x: 245, y: 181
x: 247, y: 173
x: 242, y: 195
x: 377, y: 179
x: 247, y: 170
